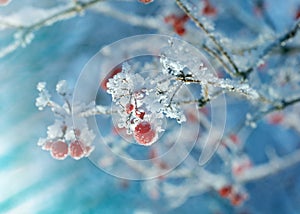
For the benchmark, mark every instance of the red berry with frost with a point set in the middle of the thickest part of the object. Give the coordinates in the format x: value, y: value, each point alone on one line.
x: 140, y: 114
x: 59, y: 150
x: 129, y: 108
x: 47, y: 146
x: 76, y: 150
x: 144, y: 134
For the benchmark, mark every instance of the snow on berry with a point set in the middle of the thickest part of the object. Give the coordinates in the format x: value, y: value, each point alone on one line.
x: 144, y: 133
x: 76, y: 150
x: 111, y: 74
x: 129, y: 108
x: 59, y: 150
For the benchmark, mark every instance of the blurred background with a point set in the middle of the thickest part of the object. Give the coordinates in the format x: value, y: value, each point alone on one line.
x: 31, y: 181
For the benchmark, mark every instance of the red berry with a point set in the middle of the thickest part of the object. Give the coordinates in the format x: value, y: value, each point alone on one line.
x: 4, y: 2
x: 140, y: 114
x: 146, y: 1
x: 144, y: 134
x: 143, y: 127
x: 237, y: 199
x: 170, y: 18
x: 180, y: 30
x: 297, y: 15
x: 76, y: 150
x: 208, y: 9
x: 225, y: 191
x: 111, y: 74
x: 59, y: 150
x: 276, y: 118
x: 47, y: 146
x: 234, y: 138
x: 129, y: 108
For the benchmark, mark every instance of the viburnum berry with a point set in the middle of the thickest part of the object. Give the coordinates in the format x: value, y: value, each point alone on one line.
x: 59, y: 150
x: 129, y: 108
x: 237, y: 199
x: 209, y: 9
x: 144, y: 134
x: 140, y: 114
x: 178, y: 23
x: 297, y: 14
x: 47, y: 145
x: 4, y: 2
x: 235, y: 139
x: 225, y: 191
x: 146, y: 1
x: 76, y: 150
x: 276, y: 118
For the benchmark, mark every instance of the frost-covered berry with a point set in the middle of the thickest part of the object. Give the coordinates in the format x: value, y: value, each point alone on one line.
x: 47, y: 146
x: 76, y: 150
x: 129, y: 108
x: 140, y: 114
x: 59, y: 150
x: 144, y: 134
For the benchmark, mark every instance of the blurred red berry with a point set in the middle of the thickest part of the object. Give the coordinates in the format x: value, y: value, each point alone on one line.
x: 177, y: 22
x: 237, y: 199
x: 4, y: 2
x: 146, y: 1
x: 208, y: 9
x: 276, y: 118
x: 225, y: 191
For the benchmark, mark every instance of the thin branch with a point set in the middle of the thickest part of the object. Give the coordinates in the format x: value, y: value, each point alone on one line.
x: 280, y: 41
x: 76, y: 9
x: 210, y: 36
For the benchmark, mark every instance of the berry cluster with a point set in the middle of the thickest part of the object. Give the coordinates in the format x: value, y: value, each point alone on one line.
x: 60, y: 148
x: 178, y: 23
x: 236, y: 198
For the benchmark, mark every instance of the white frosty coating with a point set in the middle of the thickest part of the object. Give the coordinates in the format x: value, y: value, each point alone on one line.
x: 41, y: 86
x: 44, y: 97
x: 62, y: 87
x: 63, y: 128
x: 55, y: 130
